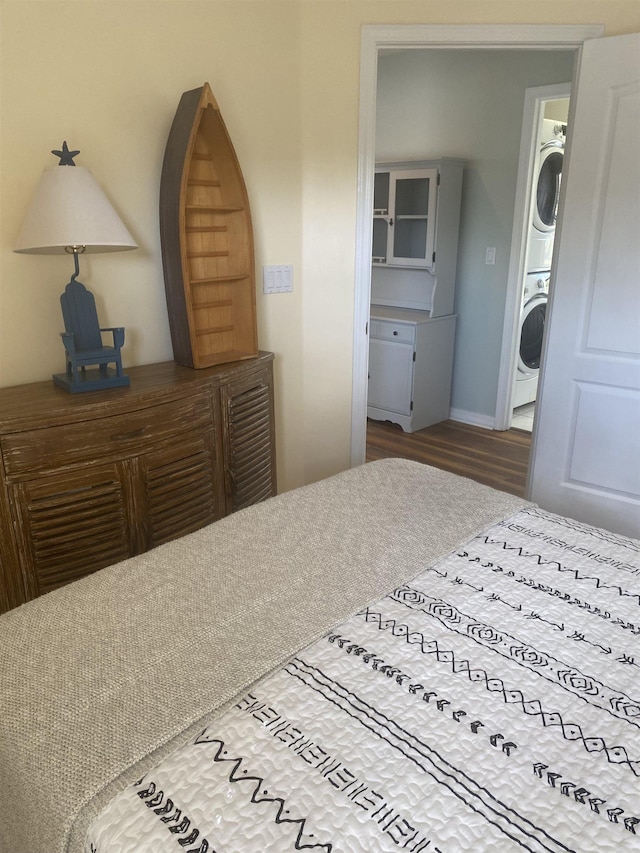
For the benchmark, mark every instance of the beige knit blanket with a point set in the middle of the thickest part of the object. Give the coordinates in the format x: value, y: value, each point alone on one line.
x: 102, y: 678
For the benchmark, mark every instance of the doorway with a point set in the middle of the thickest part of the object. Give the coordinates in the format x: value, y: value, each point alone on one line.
x: 544, y: 132
x: 374, y: 40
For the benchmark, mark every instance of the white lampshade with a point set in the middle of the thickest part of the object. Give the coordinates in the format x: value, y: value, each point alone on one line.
x: 68, y: 210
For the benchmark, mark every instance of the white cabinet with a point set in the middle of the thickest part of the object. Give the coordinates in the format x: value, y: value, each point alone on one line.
x: 416, y: 220
x: 416, y: 215
x: 410, y: 361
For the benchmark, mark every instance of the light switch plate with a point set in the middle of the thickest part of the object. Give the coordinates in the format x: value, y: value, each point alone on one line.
x: 277, y: 279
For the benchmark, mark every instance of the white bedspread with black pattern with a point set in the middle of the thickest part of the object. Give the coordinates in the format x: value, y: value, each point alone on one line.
x: 492, y: 704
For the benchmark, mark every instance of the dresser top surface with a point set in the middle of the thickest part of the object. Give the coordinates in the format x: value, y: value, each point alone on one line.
x: 21, y: 405
x: 407, y: 315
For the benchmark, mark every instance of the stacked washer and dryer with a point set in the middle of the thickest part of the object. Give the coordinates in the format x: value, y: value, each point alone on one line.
x: 545, y: 192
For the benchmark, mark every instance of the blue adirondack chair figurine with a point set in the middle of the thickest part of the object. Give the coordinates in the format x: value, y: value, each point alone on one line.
x: 83, y: 342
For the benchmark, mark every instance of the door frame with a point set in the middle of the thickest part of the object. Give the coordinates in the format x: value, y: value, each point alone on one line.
x: 534, y: 100
x: 377, y: 37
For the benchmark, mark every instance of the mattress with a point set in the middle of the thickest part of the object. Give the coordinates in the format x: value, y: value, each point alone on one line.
x: 492, y: 703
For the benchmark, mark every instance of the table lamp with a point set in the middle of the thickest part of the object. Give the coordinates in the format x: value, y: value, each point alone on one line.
x: 70, y: 213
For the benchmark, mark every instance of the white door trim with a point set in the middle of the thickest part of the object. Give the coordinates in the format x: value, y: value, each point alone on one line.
x: 533, y: 104
x: 376, y: 37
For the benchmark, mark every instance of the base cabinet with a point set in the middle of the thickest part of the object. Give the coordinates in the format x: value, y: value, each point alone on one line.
x: 87, y: 482
x: 410, y: 366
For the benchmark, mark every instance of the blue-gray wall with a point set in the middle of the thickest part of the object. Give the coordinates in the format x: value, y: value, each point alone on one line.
x: 469, y: 104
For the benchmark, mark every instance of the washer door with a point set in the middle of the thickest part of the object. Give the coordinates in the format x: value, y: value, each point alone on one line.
x: 545, y: 210
x: 531, y: 332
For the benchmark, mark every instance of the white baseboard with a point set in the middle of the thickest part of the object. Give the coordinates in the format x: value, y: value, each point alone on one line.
x: 472, y: 418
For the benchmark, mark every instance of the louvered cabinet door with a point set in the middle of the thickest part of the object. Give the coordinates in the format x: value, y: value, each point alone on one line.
x: 11, y: 582
x: 248, y: 438
x: 71, y: 524
x: 180, y: 492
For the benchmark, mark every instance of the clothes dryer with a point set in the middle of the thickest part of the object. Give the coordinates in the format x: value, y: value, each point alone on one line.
x: 532, y: 321
x: 546, y: 194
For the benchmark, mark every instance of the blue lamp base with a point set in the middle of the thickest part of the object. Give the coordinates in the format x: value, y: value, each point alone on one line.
x: 92, y: 379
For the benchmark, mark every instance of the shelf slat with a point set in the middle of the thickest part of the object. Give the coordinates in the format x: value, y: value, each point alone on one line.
x: 214, y: 330
x: 212, y: 279
x: 209, y: 208
x: 205, y: 229
x: 202, y: 182
x: 217, y: 303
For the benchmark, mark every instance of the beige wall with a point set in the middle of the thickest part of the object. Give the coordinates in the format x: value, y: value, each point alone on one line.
x: 106, y: 75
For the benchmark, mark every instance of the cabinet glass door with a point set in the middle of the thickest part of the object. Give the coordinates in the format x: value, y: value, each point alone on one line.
x: 404, y: 207
x: 381, y: 218
x: 410, y: 228
x: 413, y: 223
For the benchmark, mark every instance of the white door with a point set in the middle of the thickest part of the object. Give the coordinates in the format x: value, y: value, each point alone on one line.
x: 586, y: 453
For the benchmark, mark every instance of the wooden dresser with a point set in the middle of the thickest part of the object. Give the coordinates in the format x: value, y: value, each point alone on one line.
x: 90, y: 479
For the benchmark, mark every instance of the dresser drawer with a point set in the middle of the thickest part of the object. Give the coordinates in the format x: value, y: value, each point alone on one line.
x: 34, y: 451
x: 388, y: 330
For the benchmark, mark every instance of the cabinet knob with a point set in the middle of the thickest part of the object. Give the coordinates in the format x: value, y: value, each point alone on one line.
x: 395, y: 332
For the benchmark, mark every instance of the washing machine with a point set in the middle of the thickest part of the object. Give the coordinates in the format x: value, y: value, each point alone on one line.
x: 532, y: 319
x: 546, y: 193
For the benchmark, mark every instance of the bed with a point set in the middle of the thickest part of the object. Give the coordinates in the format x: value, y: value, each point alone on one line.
x: 393, y: 659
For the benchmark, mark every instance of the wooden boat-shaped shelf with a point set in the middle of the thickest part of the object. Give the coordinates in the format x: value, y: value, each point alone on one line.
x: 207, y: 239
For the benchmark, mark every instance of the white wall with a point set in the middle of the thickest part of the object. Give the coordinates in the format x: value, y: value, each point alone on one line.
x: 468, y: 104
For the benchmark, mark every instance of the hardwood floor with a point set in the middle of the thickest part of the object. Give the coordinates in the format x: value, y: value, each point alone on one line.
x: 498, y: 459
